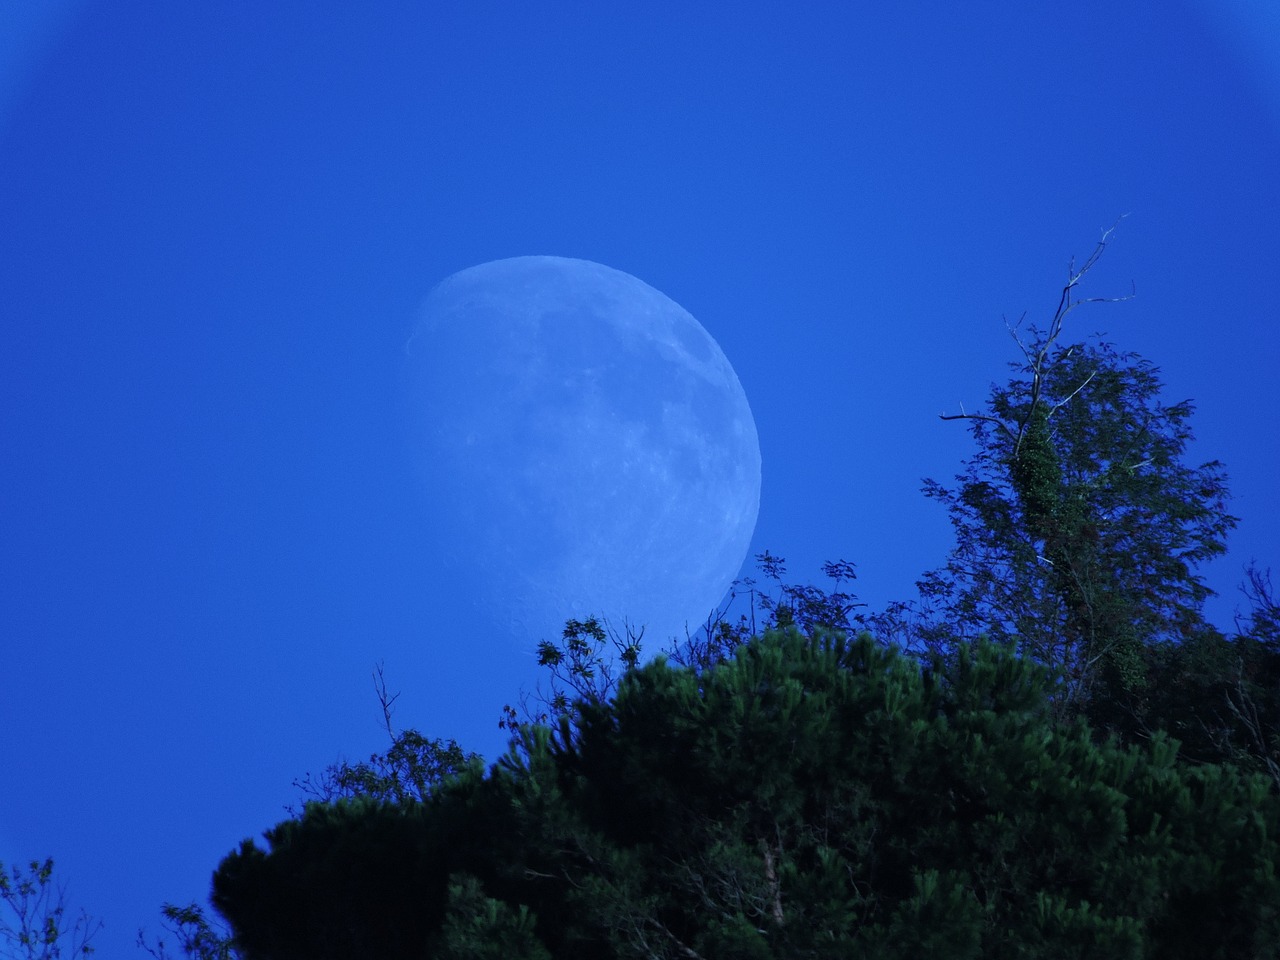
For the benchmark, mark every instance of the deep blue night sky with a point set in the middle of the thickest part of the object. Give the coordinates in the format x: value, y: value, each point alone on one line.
x: 218, y: 221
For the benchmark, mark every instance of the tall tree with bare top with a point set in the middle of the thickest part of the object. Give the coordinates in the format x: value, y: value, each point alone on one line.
x: 1080, y: 526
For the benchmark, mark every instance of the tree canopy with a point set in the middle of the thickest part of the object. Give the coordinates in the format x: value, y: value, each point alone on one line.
x: 1080, y: 527
x: 813, y: 795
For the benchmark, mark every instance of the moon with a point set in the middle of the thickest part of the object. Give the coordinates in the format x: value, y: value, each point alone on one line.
x: 584, y: 449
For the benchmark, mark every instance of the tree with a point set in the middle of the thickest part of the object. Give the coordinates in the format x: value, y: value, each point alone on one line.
x: 590, y: 659
x: 585, y: 664
x: 412, y: 766
x: 197, y: 937
x: 1079, y: 525
x: 819, y: 796
x: 33, y: 916
x: 1219, y: 696
x: 410, y: 769
x: 1254, y: 698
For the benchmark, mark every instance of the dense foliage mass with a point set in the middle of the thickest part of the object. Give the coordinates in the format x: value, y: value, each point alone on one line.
x: 1079, y: 528
x: 1081, y: 531
x: 813, y: 796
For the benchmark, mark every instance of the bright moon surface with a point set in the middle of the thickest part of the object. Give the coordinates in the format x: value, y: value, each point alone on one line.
x: 585, y: 449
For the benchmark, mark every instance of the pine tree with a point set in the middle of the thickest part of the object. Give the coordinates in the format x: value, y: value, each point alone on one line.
x: 819, y: 796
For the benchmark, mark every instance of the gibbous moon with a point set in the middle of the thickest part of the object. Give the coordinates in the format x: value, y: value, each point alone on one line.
x: 584, y: 448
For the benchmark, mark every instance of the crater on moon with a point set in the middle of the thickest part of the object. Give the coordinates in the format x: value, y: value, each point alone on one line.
x: 584, y: 448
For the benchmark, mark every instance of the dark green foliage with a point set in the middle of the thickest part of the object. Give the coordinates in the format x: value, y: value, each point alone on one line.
x: 1079, y: 536
x: 1035, y: 472
x: 477, y: 927
x: 812, y: 797
x: 409, y: 770
x: 590, y: 658
x: 194, y: 934
x: 585, y: 664
x: 1079, y: 526
x: 354, y: 878
x: 1080, y: 533
x: 1220, y: 696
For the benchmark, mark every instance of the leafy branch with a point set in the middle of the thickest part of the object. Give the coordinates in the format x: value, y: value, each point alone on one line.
x: 33, y: 922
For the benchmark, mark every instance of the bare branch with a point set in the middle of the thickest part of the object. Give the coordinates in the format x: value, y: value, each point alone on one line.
x: 387, y: 701
x: 1013, y: 332
x: 1067, y: 399
x: 1037, y: 359
x: 980, y: 416
x: 1246, y: 711
x: 1065, y: 303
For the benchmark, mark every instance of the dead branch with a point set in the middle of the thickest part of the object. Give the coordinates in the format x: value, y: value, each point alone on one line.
x: 1037, y: 359
x: 387, y: 701
x: 1067, y: 399
x: 1246, y: 711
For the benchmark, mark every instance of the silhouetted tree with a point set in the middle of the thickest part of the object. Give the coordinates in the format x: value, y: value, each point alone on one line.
x: 815, y: 796
x: 34, y: 924
x: 590, y: 658
x: 1219, y: 696
x: 411, y: 767
x: 198, y: 937
x: 1080, y: 527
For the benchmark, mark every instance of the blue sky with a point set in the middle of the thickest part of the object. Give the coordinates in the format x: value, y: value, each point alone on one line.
x: 217, y: 222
